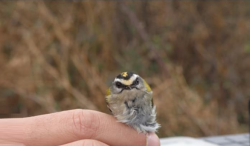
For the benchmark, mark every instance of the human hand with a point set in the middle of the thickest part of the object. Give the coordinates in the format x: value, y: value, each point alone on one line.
x: 72, y: 128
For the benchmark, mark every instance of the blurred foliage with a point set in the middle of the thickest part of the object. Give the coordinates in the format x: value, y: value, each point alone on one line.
x: 194, y: 54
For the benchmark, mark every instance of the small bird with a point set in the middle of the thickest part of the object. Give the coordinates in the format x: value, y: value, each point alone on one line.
x: 130, y: 100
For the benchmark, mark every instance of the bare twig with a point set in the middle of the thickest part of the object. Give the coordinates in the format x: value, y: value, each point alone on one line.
x: 66, y: 43
x: 54, y: 73
x: 145, y: 37
x: 36, y: 99
x: 184, y: 106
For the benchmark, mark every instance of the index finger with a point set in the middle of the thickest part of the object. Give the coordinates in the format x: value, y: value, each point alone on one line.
x: 68, y: 126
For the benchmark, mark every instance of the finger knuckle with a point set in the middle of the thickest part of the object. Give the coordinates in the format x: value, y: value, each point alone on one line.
x: 85, y: 123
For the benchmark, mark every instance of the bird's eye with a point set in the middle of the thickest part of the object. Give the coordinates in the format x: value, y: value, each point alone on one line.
x: 136, y: 82
x: 118, y: 84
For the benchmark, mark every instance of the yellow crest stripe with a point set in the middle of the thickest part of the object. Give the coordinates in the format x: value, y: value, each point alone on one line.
x: 124, y: 74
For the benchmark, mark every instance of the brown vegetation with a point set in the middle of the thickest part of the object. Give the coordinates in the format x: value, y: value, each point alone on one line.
x: 63, y: 55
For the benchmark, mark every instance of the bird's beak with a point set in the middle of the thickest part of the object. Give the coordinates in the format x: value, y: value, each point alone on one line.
x: 127, y: 88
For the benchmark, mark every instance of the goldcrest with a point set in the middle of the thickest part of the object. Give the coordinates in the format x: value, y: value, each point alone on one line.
x: 130, y: 100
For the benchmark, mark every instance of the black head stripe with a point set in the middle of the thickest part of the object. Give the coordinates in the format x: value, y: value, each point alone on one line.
x: 125, y: 75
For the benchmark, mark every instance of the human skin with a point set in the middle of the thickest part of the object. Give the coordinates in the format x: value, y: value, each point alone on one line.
x: 72, y: 128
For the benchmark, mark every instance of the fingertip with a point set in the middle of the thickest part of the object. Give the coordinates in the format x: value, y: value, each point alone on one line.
x: 152, y: 140
x: 86, y: 142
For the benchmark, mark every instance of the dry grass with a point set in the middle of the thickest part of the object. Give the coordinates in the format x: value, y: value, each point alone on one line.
x: 63, y: 55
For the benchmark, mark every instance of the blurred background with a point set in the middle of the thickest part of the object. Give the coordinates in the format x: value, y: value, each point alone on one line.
x: 195, y: 55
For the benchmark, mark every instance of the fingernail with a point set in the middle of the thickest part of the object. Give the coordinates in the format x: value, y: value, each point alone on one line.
x: 153, y: 140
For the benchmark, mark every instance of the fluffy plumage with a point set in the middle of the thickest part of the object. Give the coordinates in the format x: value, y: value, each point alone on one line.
x: 130, y: 100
